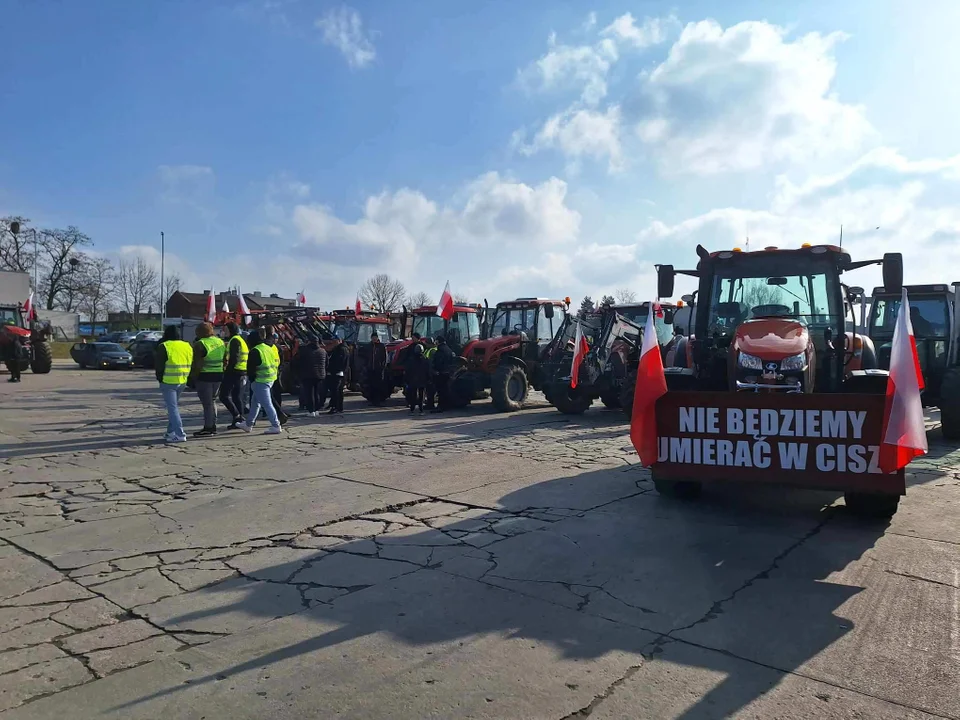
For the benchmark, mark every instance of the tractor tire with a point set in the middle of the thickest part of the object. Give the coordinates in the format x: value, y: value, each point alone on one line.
x: 626, y: 394
x: 871, y: 505
x: 569, y: 401
x: 461, y: 390
x: 950, y: 404
x: 611, y: 400
x: 42, y: 361
x: 680, y: 489
x: 509, y: 388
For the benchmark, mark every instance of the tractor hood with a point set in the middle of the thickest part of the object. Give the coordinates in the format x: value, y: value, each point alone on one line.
x: 492, y: 345
x: 14, y: 330
x: 771, y: 338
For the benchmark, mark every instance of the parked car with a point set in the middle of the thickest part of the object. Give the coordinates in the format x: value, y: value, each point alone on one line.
x: 125, y: 338
x: 101, y: 355
x: 143, y: 352
x: 148, y: 335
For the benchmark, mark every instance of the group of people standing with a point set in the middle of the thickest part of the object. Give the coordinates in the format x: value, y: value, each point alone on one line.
x: 427, y: 375
x: 242, y: 374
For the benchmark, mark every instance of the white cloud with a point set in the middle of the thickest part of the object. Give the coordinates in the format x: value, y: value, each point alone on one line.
x: 652, y: 31
x: 580, y: 133
x: 564, y: 67
x: 885, y: 202
x: 745, y: 96
x: 342, y: 28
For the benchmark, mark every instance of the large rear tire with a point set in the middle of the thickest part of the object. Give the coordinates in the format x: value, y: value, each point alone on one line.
x: 509, y: 388
x: 626, y: 394
x: 611, y: 400
x: 569, y: 401
x: 461, y: 390
x: 871, y: 505
x: 42, y: 360
x: 950, y: 404
x: 680, y: 489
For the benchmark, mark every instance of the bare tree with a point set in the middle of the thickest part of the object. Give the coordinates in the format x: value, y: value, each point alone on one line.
x: 16, y: 248
x: 419, y: 299
x: 171, y: 283
x: 383, y: 293
x: 60, y: 253
x: 624, y: 295
x: 460, y: 299
x: 98, y: 286
x: 136, y: 283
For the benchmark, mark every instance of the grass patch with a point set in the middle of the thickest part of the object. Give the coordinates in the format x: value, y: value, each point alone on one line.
x: 61, y: 350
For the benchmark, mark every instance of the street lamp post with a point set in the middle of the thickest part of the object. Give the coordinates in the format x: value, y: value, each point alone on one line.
x: 163, y: 290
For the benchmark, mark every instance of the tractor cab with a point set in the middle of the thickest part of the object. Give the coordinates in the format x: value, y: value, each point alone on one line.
x: 775, y: 320
x: 461, y: 329
x: 933, y: 311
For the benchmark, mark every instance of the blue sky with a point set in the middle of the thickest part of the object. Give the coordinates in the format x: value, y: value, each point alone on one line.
x: 544, y: 148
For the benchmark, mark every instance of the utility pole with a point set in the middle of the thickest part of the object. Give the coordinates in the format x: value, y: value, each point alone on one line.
x: 163, y: 290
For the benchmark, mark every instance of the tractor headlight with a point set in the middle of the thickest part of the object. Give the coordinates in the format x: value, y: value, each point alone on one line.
x: 794, y: 362
x: 750, y: 362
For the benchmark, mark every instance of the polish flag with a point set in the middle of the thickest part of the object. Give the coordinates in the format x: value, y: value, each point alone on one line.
x: 651, y: 385
x: 28, y: 310
x: 225, y: 308
x: 904, y: 434
x: 581, y: 348
x: 243, y: 307
x: 445, y: 306
x: 358, y: 309
x: 301, y: 298
x: 211, y: 306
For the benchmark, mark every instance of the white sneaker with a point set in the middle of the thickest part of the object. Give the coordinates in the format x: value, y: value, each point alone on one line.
x: 273, y: 431
x: 243, y: 426
x: 174, y: 438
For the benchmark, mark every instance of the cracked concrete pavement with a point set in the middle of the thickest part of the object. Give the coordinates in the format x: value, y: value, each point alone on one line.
x: 382, y: 565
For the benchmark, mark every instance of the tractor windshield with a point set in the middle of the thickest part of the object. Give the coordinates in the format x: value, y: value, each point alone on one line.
x: 760, y: 289
x: 929, y: 316
x: 8, y: 314
x: 365, y: 332
x: 463, y: 327
x: 513, y: 319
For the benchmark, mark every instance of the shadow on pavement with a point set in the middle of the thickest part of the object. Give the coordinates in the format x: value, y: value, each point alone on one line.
x: 645, y: 562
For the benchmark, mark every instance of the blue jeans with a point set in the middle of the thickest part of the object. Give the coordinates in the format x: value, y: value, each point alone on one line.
x: 171, y: 398
x: 261, y: 398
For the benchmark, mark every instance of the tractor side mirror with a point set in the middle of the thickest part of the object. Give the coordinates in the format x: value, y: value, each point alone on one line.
x: 688, y: 298
x: 665, y: 279
x: 893, y: 273
x: 855, y: 292
x: 548, y: 312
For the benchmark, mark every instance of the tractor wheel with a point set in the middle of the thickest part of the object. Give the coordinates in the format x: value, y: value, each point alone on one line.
x: 680, y: 489
x: 950, y: 404
x: 871, y: 505
x: 611, y: 400
x: 509, y: 388
x: 569, y: 401
x: 461, y: 390
x: 42, y: 360
x: 626, y: 394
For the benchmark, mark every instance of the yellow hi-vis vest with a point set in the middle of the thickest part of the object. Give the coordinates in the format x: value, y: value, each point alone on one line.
x: 269, y: 363
x: 179, y: 358
x: 213, y: 360
x: 242, y: 353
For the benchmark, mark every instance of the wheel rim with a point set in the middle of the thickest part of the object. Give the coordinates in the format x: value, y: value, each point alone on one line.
x: 515, y: 388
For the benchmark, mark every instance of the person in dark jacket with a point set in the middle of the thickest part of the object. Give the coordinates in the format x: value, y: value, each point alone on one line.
x: 417, y: 374
x: 337, y: 362
x: 311, y: 369
x: 378, y: 364
x: 234, y: 375
x: 444, y: 362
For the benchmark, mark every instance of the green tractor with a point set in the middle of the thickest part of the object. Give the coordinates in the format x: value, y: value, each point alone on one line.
x: 933, y: 314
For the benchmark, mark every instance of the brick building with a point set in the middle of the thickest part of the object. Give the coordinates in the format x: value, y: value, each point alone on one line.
x: 194, y: 305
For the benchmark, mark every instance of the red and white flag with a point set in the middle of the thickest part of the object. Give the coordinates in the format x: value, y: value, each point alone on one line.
x: 445, y: 306
x: 904, y: 434
x: 301, y: 298
x: 29, y: 311
x: 211, y: 306
x: 651, y: 385
x: 358, y: 309
x: 580, y: 348
x: 243, y: 307
x: 225, y: 308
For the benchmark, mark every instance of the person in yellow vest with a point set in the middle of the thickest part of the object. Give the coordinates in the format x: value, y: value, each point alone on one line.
x: 263, y: 365
x: 172, y: 365
x: 234, y: 375
x: 209, y: 355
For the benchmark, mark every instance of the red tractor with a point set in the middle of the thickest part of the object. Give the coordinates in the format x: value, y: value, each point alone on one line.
x: 508, y: 360
x: 36, y: 354
x: 357, y: 333
x: 462, y: 329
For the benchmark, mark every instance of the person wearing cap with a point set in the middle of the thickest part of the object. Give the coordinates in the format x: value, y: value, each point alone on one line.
x: 234, y: 375
x: 263, y: 365
x: 13, y: 355
x: 311, y: 369
x: 209, y: 354
x: 172, y: 366
x: 337, y: 362
x: 443, y: 366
